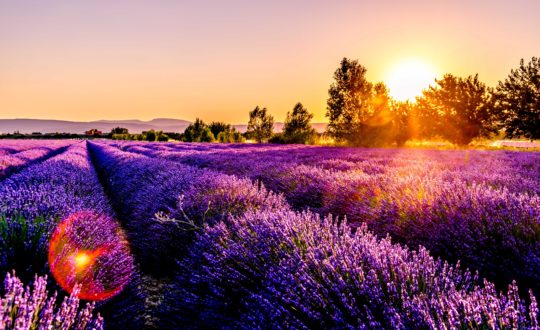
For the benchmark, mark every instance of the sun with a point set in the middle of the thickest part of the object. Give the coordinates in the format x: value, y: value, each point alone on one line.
x: 408, y: 78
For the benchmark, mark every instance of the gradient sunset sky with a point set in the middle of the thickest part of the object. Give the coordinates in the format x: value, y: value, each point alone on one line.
x: 217, y: 60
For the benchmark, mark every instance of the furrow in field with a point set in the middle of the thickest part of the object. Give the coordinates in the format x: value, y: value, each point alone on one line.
x: 15, y: 162
x: 164, y: 204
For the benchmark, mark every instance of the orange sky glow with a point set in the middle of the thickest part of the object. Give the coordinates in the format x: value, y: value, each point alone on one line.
x: 217, y: 60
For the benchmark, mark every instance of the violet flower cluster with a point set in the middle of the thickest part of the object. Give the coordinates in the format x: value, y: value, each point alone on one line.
x: 240, y: 236
x: 163, y: 203
x: 284, y: 269
x: 17, y: 155
x: 486, y: 200
x: 35, y: 200
x: 32, y: 307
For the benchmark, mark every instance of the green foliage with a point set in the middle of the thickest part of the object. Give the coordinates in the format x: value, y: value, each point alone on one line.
x: 123, y: 137
x: 207, y: 136
x: 150, y: 135
x: 457, y: 109
x: 119, y: 130
x: 297, y: 128
x: 225, y: 133
x: 517, y: 101
x: 260, y: 125
x: 217, y: 127
x: 24, y: 244
x: 231, y: 136
x: 162, y: 137
x: 198, y: 131
x: 278, y: 138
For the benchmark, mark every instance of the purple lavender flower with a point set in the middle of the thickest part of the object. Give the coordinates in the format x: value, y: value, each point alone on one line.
x: 33, y: 308
x: 284, y: 269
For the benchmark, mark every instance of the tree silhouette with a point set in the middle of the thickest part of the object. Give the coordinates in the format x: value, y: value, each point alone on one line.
x: 297, y: 128
x: 150, y: 135
x: 119, y: 130
x: 358, y: 110
x: 517, y: 101
x: 225, y: 133
x: 217, y: 127
x: 458, y: 109
x: 260, y: 124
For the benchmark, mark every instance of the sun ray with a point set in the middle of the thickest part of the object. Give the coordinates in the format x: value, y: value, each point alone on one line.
x: 408, y: 78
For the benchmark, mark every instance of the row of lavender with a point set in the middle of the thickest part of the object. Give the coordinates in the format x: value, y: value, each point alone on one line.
x: 245, y: 259
x: 16, y: 155
x: 482, y: 208
x: 32, y: 203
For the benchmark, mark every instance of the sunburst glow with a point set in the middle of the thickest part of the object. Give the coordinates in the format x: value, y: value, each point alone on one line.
x: 82, y: 260
x: 407, y: 79
x: 90, y: 250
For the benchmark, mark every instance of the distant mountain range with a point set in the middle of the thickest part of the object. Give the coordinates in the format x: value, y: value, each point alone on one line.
x: 27, y: 126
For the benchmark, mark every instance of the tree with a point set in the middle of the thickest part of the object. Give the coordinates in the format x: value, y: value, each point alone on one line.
x: 217, y: 127
x: 230, y: 136
x: 457, y: 109
x: 225, y: 133
x: 260, y: 124
x: 297, y: 128
x: 150, y: 135
x: 404, y: 121
x: 162, y: 137
x: 358, y: 110
x: 517, y: 101
x: 119, y: 130
x: 198, y: 131
x: 206, y: 136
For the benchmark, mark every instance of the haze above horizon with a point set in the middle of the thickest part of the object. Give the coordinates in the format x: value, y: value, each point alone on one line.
x: 102, y: 60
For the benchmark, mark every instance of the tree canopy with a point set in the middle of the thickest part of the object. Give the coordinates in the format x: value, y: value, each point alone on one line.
x: 260, y: 124
x: 458, y: 109
x: 358, y: 110
x: 297, y: 127
x: 517, y: 101
x: 198, y: 131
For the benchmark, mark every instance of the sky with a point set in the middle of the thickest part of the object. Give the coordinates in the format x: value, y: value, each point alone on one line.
x: 217, y: 60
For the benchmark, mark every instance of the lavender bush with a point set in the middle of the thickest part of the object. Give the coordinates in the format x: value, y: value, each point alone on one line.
x: 23, y: 154
x: 487, y: 201
x: 283, y: 269
x: 212, y: 229
x: 162, y: 203
x: 33, y: 308
x: 32, y: 203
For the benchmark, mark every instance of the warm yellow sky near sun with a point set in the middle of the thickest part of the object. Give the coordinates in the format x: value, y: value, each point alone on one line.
x: 79, y: 60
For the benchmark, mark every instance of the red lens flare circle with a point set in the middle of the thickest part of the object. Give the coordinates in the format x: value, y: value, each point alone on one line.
x: 90, y: 250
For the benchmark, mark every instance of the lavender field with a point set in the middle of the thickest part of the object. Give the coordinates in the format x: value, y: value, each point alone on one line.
x: 201, y: 235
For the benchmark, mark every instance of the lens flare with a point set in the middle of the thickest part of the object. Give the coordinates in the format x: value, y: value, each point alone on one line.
x: 82, y: 260
x: 90, y: 249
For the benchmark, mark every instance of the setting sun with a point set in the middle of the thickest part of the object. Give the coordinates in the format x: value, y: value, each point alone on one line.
x: 407, y: 79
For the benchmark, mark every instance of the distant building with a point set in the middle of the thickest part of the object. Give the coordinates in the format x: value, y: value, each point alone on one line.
x: 93, y: 131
